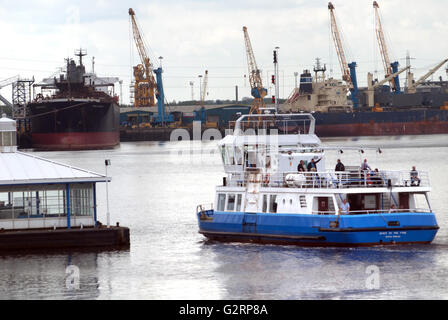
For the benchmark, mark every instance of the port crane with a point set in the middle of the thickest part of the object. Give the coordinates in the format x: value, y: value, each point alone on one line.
x: 412, y: 86
x: 389, y: 68
x: 348, y: 69
x: 257, y: 90
x: 145, y: 83
x: 146, y: 87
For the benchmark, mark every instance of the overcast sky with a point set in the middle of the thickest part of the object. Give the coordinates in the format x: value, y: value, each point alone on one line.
x: 196, y: 35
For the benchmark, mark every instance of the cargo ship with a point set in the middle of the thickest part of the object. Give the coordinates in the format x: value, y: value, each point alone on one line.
x: 75, y: 111
x: 424, y: 111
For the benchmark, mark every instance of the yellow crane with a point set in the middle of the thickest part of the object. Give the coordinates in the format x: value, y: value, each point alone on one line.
x: 258, y: 92
x: 145, y: 84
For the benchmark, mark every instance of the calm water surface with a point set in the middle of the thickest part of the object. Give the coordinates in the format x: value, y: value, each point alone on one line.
x: 155, y: 190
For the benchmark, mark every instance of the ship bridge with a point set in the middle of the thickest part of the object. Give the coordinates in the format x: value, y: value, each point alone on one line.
x: 270, y: 144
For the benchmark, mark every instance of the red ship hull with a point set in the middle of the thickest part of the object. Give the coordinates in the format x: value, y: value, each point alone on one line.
x: 75, y: 140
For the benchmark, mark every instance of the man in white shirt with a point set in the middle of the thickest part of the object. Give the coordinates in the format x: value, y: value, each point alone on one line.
x: 345, y: 207
x: 365, y: 166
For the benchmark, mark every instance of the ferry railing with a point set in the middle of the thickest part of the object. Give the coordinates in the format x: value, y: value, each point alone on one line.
x: 331, y: 179
x: 206, y: 211
x: 372, y: 211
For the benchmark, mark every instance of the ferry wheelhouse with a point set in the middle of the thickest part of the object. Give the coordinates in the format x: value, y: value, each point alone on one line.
x: 264, y: 198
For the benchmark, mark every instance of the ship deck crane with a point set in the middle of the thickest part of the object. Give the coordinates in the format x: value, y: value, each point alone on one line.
x: 371, y: 86
x: 389, y: 68
x: 412, y: 86
x: 145, y: 84
x: 257, y: 90
x: 348, y: 70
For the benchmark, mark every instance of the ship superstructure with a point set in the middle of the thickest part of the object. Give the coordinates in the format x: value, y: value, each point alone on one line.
x: 318, y: 93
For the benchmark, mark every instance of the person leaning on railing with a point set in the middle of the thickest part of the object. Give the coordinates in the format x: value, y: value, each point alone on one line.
x: 345, y: 207
x: 301, y: 166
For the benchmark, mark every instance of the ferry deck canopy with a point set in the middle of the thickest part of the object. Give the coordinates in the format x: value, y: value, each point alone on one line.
x: 281, y: 140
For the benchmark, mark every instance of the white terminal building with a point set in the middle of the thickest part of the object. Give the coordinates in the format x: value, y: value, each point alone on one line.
x: 37, y: 193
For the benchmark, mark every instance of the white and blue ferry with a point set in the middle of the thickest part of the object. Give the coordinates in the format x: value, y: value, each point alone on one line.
x: 264, y: 198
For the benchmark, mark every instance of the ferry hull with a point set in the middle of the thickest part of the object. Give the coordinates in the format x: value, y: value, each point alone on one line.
x: 320, y: 230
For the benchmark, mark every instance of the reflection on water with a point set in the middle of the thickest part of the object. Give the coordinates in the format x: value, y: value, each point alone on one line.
x: 155, y: 190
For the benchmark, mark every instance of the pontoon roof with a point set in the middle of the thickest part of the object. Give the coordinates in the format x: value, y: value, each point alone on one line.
x: 19, y: 168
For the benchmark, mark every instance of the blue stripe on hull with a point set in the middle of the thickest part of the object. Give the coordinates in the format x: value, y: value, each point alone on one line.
x: 317, y: 230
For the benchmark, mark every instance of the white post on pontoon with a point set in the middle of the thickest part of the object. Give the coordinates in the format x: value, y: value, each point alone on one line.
x: 107, y: 163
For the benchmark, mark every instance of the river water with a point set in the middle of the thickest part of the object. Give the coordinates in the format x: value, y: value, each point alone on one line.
x: 155, y: 189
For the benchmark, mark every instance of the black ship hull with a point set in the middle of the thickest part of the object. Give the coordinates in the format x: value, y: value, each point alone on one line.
x: 369, y: 123
x: 76, y: 124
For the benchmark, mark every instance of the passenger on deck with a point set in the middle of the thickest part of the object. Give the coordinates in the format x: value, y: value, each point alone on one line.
x: 365, y: 166
x: 375, y: 177
x: 415, y: 180
x: 345, y: 207
x: 301, y: 166
x: 339, y: 166
x: 312, y: 164
x: 392, y: 209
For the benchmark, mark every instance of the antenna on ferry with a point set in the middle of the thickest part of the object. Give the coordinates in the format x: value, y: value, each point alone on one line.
x: 107, y: 163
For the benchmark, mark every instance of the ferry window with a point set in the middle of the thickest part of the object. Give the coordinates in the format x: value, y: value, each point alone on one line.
x: 231, y: 202
x: 221, y: 201
x: 230, y: 156
x: 419, y: 203
x: 273, y: 203
x: 238, y: 202
x: 265, y: 202
x: 223, y: 154
x: 370, y: 202
x: 302, y: 202
x: 251, y: 157
x: 239, y: 156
